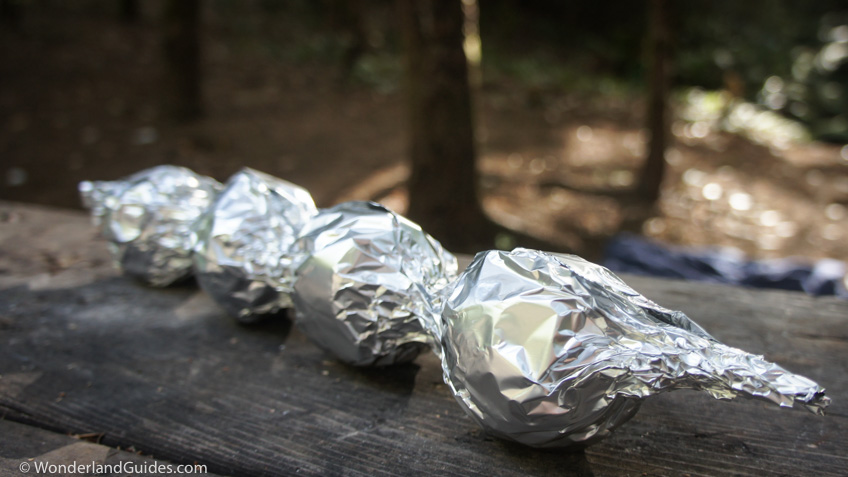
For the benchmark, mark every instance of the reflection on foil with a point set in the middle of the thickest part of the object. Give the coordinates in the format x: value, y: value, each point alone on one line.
x: 149, y: 217
x: 551, y: 350
x: 544, y: 349
x: 244, y: 247
x: 366, y: 281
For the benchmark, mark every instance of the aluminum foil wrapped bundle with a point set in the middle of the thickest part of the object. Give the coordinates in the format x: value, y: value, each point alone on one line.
x: 551, y: 350
x: 367, y: 281
x: 149, y: 218
x: 244, y: 247
x: 544, y: 349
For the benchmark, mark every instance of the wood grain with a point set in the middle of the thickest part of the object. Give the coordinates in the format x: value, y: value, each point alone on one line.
x: 166, y: 372
x: 24, y: 447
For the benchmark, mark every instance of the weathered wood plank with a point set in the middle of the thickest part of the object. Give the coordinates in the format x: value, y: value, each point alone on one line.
x: 23, y: 448
x: 165, y: 371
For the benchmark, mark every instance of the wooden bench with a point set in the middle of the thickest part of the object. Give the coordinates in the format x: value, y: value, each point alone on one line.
x: 163, y: 372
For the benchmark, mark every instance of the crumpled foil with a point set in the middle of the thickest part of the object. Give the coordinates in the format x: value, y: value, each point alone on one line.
x: 544, y: 349
x: 551, y: 350
x: 149, y: 217
x: 244, y: 245
x: 366, y: 282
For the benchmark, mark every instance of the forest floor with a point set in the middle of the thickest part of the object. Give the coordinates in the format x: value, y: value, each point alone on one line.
x: 79, y: 101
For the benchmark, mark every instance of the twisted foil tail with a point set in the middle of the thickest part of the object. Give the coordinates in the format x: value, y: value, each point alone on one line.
x: 679, y: 354
x: 676, y: 353
x: 551, y: 350
x: 719, y: 370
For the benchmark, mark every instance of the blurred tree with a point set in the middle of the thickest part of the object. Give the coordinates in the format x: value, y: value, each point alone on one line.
x: 443, y: 195
x: 181, y: 44
x: 128, y: 11
x: 11, y: 12
x: 659, y: 42
x: 346, y: 18
x: 816, y: 91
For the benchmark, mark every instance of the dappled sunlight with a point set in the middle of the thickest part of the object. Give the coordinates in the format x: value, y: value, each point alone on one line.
x: 586, y: 146
x: 560, y: 138
x: 588, y: 158
x: 767, y: 198
x: 726, y: 207
x: 721, y: 189
x: 704, y: 112
x: 561, y: 217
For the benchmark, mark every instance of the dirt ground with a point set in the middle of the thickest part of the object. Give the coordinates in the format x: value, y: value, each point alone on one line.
x: 78, y: 101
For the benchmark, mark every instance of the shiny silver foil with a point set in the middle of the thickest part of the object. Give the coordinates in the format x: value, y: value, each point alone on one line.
x: 551, y: 350
x: 149, y: 218
x: 544, y: 349
x: 244, y: 244
x: 366, y: 281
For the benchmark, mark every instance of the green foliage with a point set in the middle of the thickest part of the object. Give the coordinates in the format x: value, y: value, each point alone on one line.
x: 581, y: 46
x: 542, y: 73
x: 316, y: 48
x: 815, y: 90
x: 569, y: 44
x: 751, y: 39
x: 380, y: 70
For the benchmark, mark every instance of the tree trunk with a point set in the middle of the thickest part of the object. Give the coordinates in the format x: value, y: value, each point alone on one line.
x: 443, y: 195
x: 659, y: 43
x: 129, y: 11
x: 11, y: 12
x: 348, y: 19
x: 181, y: 43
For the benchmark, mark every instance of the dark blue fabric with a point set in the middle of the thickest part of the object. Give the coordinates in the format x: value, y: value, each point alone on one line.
x: 628, y: 253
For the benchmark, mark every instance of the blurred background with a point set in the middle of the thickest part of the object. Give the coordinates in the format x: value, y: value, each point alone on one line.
x: 490, y: 122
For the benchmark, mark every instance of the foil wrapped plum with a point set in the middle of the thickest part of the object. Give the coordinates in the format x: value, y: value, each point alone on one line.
x: 149, y: 219
x: 551, y: 350
x: 244, y: 250
x: 367, y: 280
